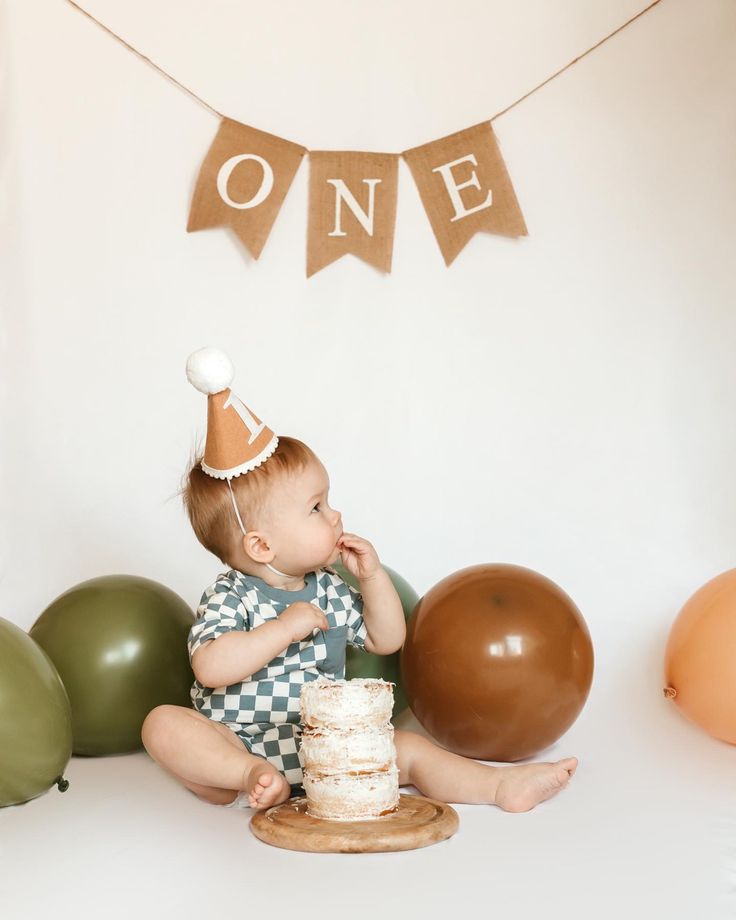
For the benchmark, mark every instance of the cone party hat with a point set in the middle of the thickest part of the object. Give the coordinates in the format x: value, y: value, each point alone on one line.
x: 237, y: 440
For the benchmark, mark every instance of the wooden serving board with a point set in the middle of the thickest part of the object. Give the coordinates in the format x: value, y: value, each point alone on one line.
x: 418, y: 822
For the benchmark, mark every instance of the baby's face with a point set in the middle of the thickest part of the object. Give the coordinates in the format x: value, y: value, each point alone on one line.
x: 302, y: 527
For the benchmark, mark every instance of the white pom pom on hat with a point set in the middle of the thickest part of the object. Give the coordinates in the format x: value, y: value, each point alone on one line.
x: 210, y: 370
x: 237, y: 440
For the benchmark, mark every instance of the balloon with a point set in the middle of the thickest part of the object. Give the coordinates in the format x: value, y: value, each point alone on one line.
x: 699, y: 658
x: 359, y: 663
x: 35, y: 719
x: 497, y: 663
x: 119, y: 644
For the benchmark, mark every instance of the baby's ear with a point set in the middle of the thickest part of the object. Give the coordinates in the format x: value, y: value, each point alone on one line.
x: 257, y: 547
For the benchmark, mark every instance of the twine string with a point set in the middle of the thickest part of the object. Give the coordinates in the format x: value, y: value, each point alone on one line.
x: 574, y: 61
x: 497, y: 115
x: 146, y: 59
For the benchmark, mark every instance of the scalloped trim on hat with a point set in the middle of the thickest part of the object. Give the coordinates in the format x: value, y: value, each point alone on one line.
x: 244, y: 467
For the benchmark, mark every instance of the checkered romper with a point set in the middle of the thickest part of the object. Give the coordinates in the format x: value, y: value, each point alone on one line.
x: 264, y: 709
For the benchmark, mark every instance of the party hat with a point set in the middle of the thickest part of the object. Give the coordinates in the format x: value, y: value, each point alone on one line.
x: 237, y: 440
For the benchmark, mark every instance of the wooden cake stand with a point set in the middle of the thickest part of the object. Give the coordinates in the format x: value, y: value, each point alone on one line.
x: 418, y: 822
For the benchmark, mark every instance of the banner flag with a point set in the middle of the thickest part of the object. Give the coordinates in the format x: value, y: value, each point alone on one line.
x: 465, y: 188
x: 352, y: 207
x: 242, y: 183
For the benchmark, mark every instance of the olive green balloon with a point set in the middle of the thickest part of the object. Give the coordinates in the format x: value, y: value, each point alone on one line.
x: 119, y: 644
x: 359, y: 663
x: 35, y: 719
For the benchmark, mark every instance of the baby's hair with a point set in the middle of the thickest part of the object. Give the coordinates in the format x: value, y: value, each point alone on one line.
x: 209, y: 506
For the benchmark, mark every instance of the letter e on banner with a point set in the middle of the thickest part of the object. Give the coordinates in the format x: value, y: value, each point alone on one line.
x: 454, y: 189
x: 452, y: 165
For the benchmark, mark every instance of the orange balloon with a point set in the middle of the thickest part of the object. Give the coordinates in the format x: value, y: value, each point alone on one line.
x: 699, y: 658
x: 497, y: 662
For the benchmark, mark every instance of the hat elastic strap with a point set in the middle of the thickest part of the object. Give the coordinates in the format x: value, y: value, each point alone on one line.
x: 245, y: 532
x: 235, y: 508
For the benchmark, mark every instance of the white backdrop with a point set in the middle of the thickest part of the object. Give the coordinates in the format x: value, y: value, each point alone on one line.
x: 563, y: 401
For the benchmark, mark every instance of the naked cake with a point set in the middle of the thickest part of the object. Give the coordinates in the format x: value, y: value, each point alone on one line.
x: 348, y: 751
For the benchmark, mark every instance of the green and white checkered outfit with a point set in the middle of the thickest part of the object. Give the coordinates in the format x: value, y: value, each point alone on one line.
x: 264, y: 710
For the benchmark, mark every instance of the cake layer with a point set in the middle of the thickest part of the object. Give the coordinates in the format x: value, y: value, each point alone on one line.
x: 330, y: 750
x: 343, y: 704
x: 352, y: 798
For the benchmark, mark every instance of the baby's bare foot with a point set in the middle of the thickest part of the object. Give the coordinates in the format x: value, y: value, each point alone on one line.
x: 266, y: 787
x: 521, y: 788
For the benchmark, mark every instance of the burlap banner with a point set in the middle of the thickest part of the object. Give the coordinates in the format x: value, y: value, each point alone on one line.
x: 243, y: 181
x: 352, y: 207
x: 464, y: 186
x: 462, y: 181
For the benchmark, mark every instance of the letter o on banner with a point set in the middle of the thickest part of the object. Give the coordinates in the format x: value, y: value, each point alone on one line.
x: 226, y: 170
x: 264, y: 183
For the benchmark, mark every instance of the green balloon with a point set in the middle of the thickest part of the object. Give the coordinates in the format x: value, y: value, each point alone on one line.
x: 359, y: 663
x: 119, y: 645
x: 35, y: 719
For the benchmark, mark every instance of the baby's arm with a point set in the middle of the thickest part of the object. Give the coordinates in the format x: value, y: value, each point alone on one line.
x: 235, y: 656
x: 383, y: 614
x: 382, y: 611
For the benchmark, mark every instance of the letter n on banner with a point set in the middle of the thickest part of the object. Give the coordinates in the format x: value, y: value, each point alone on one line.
x: 352, y: 207
x: 242, y: 183
x: 464, y: 187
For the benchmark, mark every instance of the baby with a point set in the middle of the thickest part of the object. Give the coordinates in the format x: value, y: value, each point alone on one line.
x: 280, y: 617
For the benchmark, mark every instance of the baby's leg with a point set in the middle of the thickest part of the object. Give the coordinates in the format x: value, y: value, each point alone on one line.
x: 210, y: 759
x: 447, y: 777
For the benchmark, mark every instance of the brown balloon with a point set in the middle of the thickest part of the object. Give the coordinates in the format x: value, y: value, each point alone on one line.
x: 699, y: 658
x: 497, y: 662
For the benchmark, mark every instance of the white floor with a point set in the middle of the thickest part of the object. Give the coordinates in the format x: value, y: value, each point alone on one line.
x: 647, y: 829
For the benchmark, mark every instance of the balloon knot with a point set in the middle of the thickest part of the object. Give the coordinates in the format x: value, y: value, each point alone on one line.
x: 62, y: 784
x: 670, y: 693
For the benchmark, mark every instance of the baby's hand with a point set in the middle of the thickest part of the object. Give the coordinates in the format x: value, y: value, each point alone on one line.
x: 358, y: 556
x: 303, y: 619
